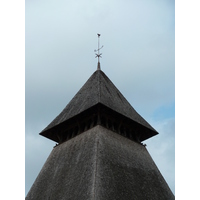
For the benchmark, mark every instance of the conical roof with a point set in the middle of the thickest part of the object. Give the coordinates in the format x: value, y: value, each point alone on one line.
x: 100, y: 165
x: 98, y: 90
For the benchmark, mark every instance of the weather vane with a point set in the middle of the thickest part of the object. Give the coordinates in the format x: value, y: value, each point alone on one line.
x: 98, y: 54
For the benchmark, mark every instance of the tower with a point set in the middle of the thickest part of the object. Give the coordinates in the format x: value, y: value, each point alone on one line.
x: 99, y: 155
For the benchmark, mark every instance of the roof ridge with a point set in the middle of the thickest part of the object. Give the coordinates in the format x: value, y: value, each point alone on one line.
x: 99, y: 85
x: 96, y: 146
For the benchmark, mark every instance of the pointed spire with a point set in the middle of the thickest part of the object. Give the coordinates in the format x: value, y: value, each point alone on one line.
x: 98, y: 102
x: 98, y: 54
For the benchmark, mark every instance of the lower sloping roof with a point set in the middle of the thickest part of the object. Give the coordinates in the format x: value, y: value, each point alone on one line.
x: 99, y: 165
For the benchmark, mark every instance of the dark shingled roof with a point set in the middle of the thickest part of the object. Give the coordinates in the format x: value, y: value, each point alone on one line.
x: 97, y: 90
x: 99, y: 165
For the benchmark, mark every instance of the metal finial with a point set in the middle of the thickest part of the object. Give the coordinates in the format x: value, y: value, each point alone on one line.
x: 98, y: 54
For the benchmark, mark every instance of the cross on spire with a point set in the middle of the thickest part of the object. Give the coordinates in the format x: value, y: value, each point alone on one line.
x: 98, y: 54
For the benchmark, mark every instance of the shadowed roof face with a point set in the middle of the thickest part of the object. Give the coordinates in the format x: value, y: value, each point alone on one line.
x: 98, y: 90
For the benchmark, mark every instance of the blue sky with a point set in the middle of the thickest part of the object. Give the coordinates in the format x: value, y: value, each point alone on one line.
x: 138, y: 56
x: 165, y: 111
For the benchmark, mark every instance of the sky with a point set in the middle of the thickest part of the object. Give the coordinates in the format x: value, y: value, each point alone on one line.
x: 138, y: 56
